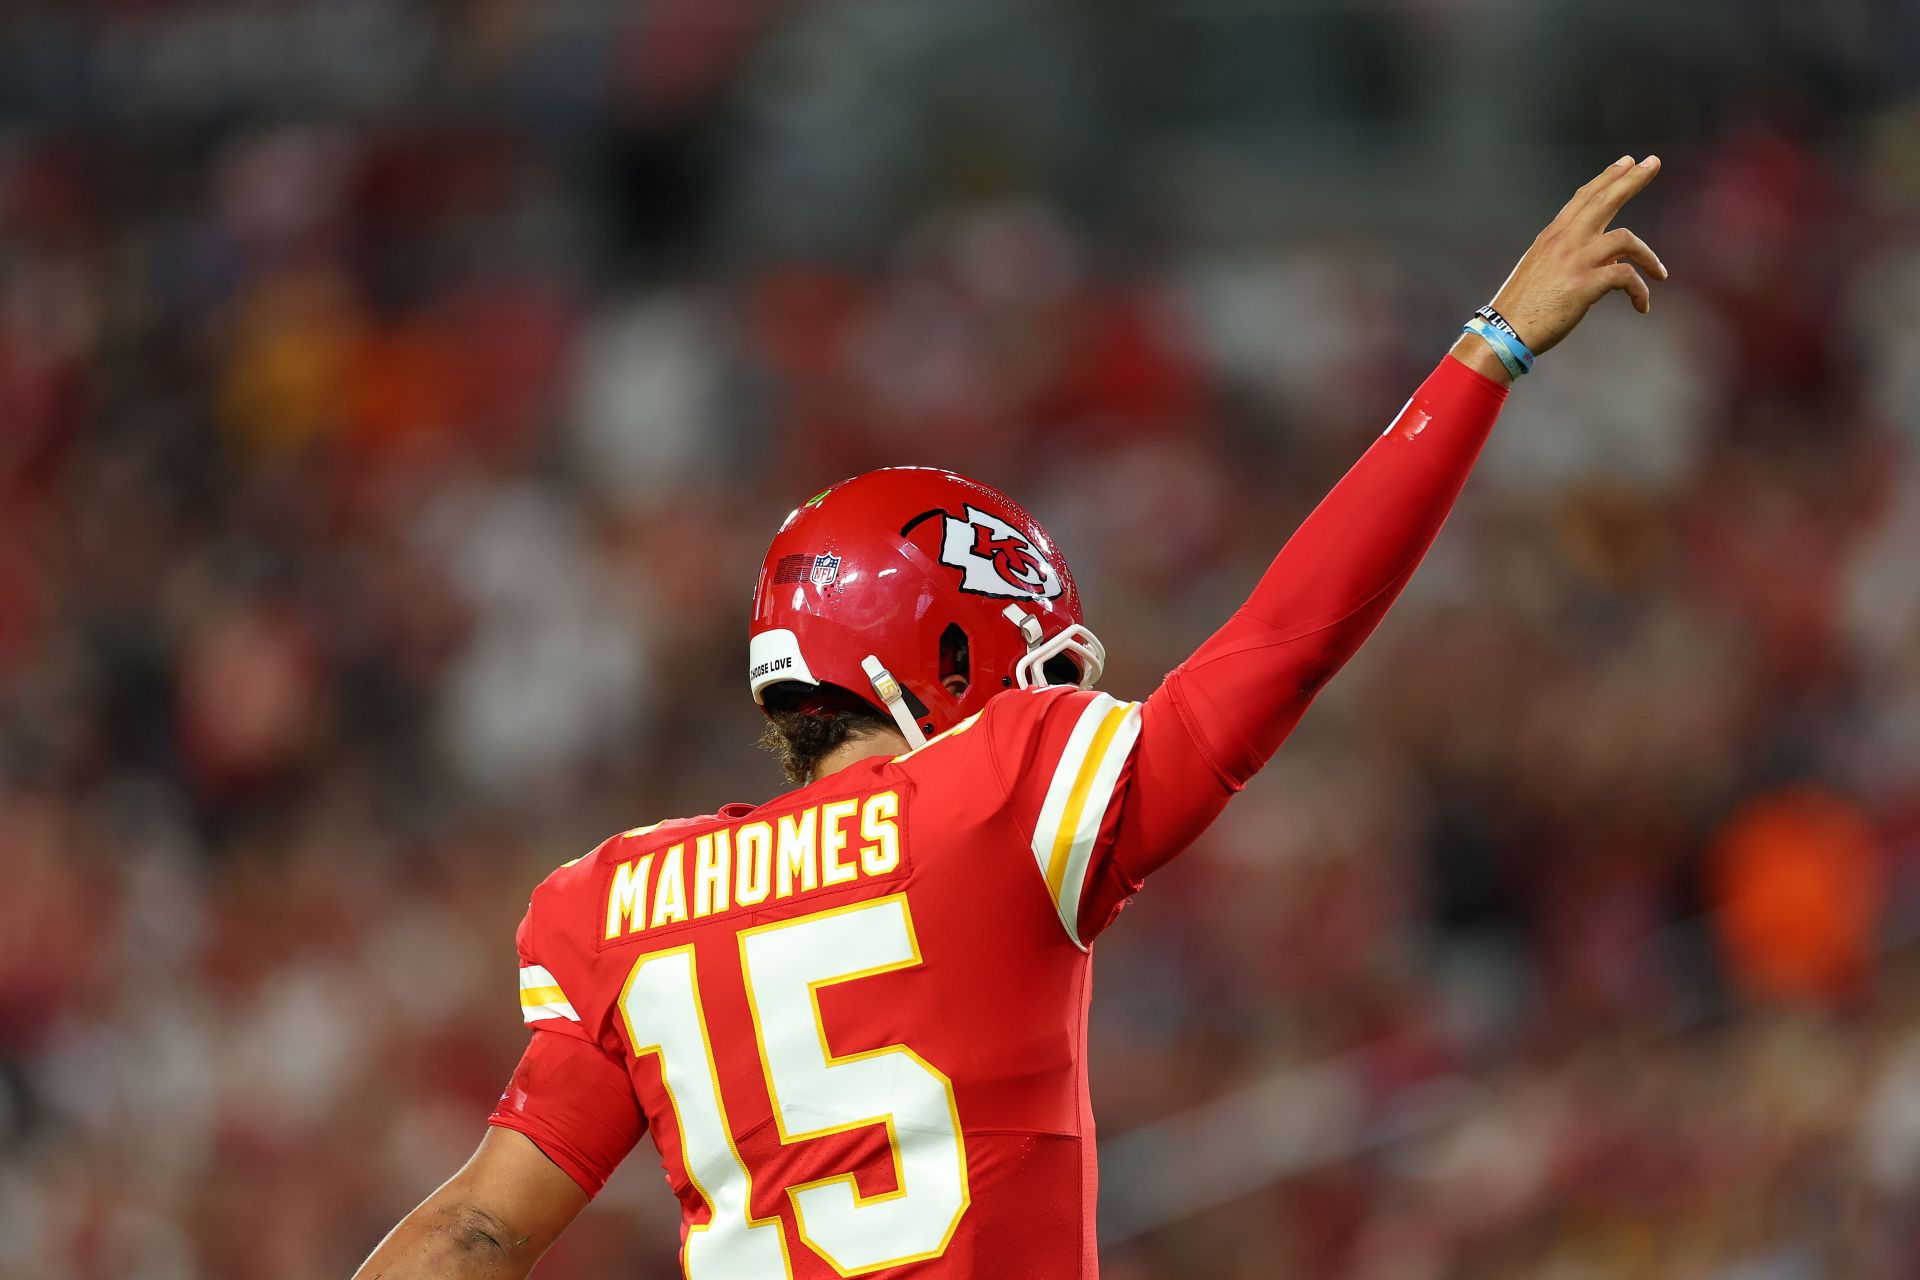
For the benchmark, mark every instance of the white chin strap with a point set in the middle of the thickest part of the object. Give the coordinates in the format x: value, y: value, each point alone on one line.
x: 887, y: 689
x: 1028, y: 673
x: 1075, y: 640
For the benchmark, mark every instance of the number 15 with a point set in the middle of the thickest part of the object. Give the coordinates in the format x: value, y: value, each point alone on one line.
x: 813, y: 1092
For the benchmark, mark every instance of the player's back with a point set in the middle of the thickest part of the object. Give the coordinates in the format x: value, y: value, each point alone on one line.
x: 854, y: 1017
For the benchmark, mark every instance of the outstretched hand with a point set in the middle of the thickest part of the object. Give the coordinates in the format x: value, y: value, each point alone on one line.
x: 1576, y: 261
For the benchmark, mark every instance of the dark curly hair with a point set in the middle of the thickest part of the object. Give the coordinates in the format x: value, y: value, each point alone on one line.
x: 806, y: 723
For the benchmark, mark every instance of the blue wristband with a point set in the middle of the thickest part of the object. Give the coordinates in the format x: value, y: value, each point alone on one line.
x: 1506, y: 345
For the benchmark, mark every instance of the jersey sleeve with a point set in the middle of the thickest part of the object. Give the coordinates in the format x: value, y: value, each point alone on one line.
x: 1065, y: 760
x: 569, y: 1094
x: 1106, y: 792
x: 544, y: 1003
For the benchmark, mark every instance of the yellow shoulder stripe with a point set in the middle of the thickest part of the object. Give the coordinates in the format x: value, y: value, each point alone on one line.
x: 1077, y: 798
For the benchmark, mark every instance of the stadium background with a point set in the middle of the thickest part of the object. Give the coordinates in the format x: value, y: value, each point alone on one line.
x: 395, y: 400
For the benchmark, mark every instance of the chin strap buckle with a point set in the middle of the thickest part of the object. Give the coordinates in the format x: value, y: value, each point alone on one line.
x: 888, y: 690
x: 1028, y: 624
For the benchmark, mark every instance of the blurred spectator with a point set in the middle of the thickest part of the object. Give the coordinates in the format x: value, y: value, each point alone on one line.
x: 395, y: 401
x: 1798, y: 891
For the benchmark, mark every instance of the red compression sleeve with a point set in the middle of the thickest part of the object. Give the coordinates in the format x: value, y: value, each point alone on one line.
x: 1222, y: 713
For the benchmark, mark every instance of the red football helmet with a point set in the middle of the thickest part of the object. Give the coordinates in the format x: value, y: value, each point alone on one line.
x: 920, y: 592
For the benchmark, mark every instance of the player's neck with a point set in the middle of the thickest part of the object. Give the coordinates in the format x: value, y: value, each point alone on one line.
x: 865, y: 746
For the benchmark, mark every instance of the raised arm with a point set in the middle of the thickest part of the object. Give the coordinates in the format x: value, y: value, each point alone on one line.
x: 1222, y: 713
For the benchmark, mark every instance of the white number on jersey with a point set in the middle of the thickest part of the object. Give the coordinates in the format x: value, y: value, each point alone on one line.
x: 813, y: 1092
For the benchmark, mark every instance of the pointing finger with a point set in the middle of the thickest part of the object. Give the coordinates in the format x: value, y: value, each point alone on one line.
x: 1606, y: 203
x: 1593, y: 184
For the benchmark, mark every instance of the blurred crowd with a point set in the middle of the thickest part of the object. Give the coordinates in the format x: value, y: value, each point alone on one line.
x: 388, y: 443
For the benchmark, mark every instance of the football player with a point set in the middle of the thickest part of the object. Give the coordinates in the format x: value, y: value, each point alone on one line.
x: 853, y: 1018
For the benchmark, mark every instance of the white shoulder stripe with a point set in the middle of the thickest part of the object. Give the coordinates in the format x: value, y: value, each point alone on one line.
x: 1077, y: 798
x: 538, y: 1012
x: 1106, y: 777
x: 541, y: 996
x: 1064, y: 775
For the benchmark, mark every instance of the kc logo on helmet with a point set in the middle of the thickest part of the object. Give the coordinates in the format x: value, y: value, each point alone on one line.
x: 996, y: 559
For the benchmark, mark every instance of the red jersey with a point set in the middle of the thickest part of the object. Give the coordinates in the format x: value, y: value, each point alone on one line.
x: 854, y: 1018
